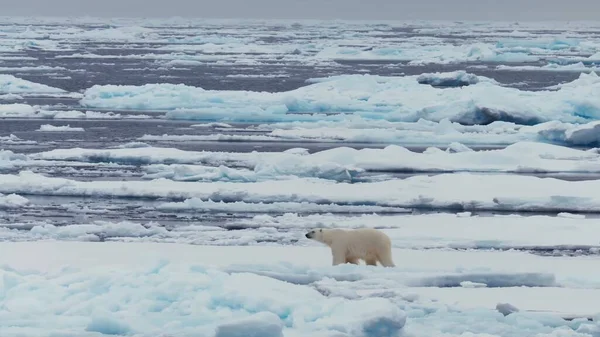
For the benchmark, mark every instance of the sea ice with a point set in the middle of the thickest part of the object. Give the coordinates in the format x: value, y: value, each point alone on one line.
x: 578, y: 67
x: 12, y: 85
x: 554, y: 236
x: 421, y: 132
x: 476, y: 192
x: 340, y: 164
x: 146, y: 289
x: 12, y: 201
x: 451, y: 79
x: 62, y: 128
x: 373, y: 97
x: 196, y: 204
x: 20, y: 110
x: 16, y: 110
x: 184, y: 299
x: 262, y: 324
x: 429, y: 231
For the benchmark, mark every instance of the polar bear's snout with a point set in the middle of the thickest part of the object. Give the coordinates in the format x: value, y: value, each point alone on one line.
x: 312, y: 234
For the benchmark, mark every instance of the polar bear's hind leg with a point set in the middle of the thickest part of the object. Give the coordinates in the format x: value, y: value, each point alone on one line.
x: 386, y: 259
x: 371, y: 261
x: 352, y: 260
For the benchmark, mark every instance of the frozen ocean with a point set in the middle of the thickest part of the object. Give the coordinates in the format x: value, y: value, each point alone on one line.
x: 157, y: 177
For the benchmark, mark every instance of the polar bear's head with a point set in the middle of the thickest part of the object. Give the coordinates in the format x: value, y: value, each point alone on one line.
x: 319, y: 235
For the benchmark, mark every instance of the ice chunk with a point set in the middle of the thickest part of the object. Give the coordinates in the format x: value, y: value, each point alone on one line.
x: 263, y: 170
x: 262, y: 324
x: 470, y: 284
x: 156, y: 155
x: 10, y: 97
x: 63, y: 128
x: 13, y: 201
x: 451, y: 79
x: 585, y: 134
x: 16, y: 110
x: 506, y: 308
x: 108, y: 326
x: 211, y: 125
x: 13, y: 85
x: 181, y: 172
x: 99, y: 229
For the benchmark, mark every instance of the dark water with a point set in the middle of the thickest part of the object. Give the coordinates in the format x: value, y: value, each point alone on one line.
x: 84, y: 73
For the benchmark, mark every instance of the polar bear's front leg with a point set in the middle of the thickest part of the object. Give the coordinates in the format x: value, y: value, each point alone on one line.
x: 339, y: 256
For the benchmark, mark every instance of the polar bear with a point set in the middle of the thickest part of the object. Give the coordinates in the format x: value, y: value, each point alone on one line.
x: 349, y: 246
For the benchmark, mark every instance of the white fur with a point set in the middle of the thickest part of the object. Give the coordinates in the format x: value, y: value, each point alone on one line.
x: 349, y: 246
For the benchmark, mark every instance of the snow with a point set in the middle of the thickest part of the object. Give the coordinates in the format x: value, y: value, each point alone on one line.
x: 369, y: 96
x: 345, y: 164
x: 439, y: 54
x: 340, y: 163
x: 262, y: 324
x: 578, y: 67
x: 451, y: 79
x: 181, y: 298
x: 20, y: 110
x: 146, y: 289
x: 430, y: 231
x: 10, y: 97
x: 16, y: 110
x: 583, y: 134
x: 549, y: 235
x: 75, y: 114
x: 211, y: 125
x: 476, y: 192
x: 196, y: 204
x: 289, y: 167
x: 153, y: 155
x: 61, y: 128
x: 12, y: 201
x: 421, y: 132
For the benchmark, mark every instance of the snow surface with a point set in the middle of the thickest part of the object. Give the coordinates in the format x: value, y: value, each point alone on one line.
x: 341, y: 163
x: 543, y: 234
x: 421, y: 132
x: 146, y: 289
x: 459, y: 191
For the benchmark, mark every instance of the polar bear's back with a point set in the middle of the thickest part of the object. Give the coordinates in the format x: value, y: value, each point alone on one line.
x: 362, y: 242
